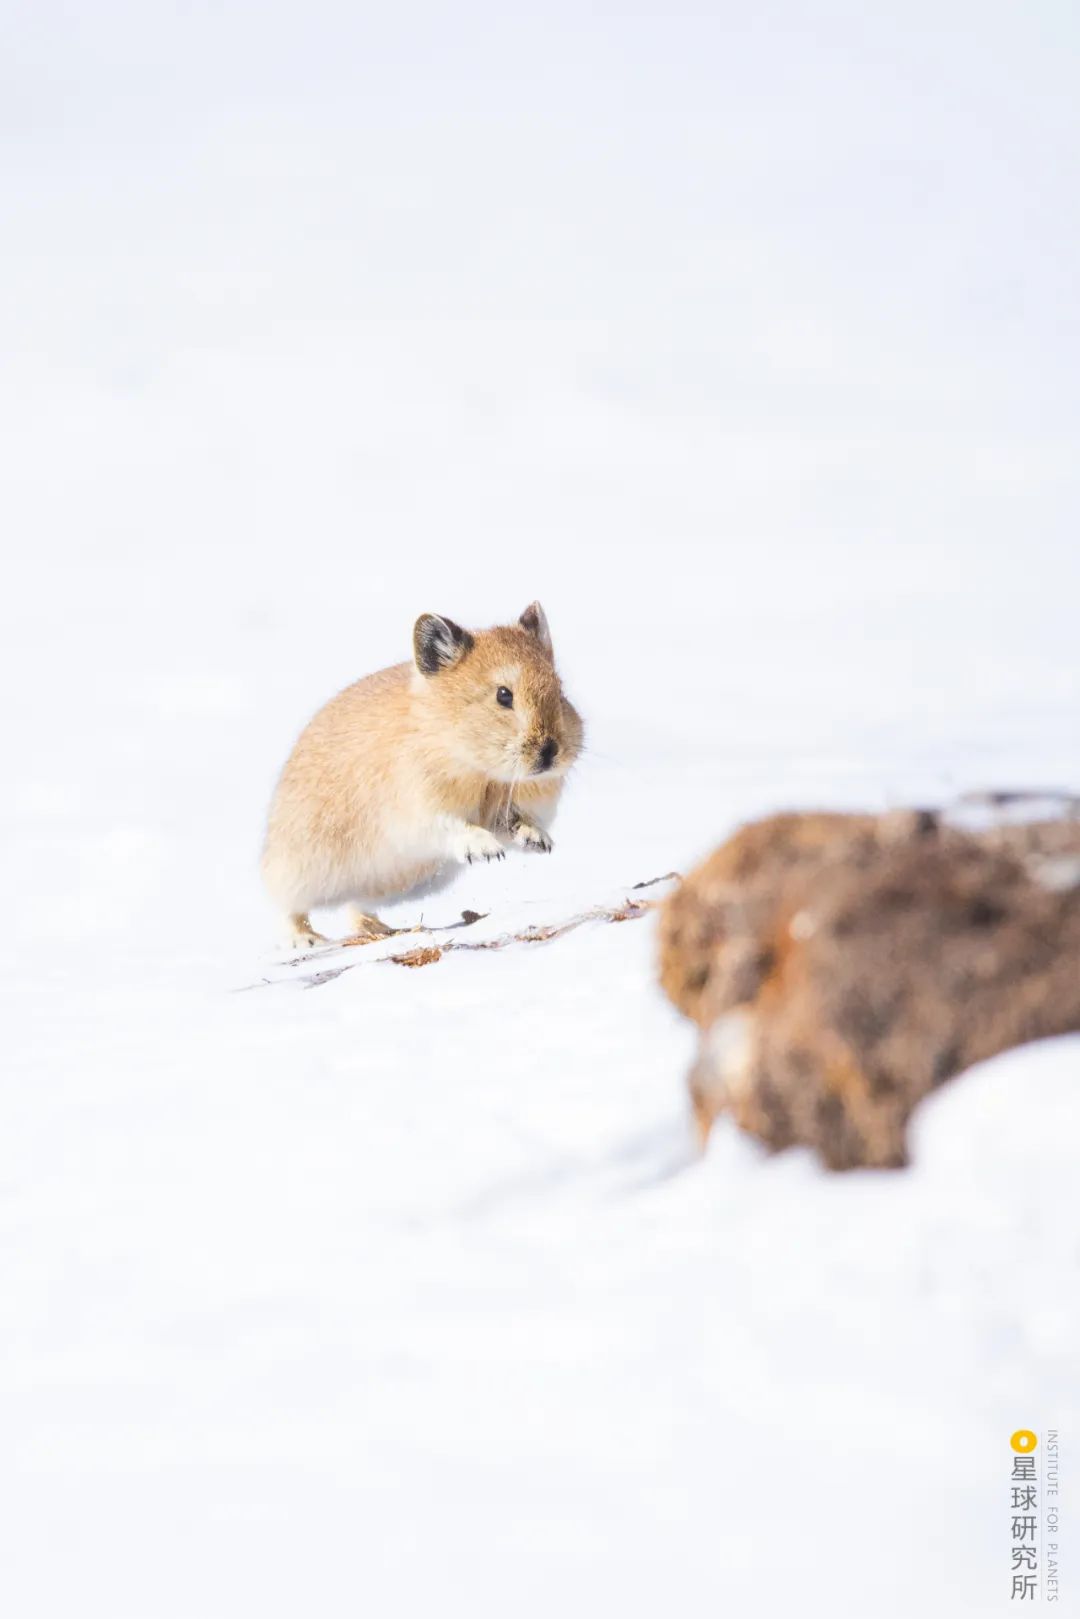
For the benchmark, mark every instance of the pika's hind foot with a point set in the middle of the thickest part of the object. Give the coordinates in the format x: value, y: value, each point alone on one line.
x: 299, y: 933
x: 364, y: 925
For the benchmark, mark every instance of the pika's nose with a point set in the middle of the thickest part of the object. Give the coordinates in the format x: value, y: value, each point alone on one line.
x: 548, y: 750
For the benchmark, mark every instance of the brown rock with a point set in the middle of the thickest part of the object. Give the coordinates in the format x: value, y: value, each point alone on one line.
x: 841, y: 966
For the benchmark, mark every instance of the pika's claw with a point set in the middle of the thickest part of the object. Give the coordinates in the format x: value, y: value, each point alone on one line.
x: 528, y: 834
x: 477, y: 843
x: 298, y: 933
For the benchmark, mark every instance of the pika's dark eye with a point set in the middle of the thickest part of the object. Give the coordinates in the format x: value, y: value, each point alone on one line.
x: 505, y: 696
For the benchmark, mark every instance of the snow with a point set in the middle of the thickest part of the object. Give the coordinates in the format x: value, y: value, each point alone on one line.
x: 746, y: 343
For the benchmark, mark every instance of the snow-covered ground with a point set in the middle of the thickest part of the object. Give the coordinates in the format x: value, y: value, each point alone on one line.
x: 746, y: 342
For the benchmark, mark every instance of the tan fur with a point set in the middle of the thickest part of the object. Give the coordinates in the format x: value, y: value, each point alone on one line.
x: 405, y: 773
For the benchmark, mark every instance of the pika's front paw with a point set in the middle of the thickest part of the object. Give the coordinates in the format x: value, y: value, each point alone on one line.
x: 529, y: 835
x: 476, y: 843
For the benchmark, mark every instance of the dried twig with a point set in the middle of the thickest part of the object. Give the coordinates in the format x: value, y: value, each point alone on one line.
x: 628, y: 910
x: 1067, y: 803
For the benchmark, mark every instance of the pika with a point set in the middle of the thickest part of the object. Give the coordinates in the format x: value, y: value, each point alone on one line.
x: 403, y: 774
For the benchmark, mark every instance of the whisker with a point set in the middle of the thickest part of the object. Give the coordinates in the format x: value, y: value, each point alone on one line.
x: 515, y: 781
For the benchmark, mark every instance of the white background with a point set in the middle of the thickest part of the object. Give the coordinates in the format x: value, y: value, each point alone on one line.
x: 748, y: 341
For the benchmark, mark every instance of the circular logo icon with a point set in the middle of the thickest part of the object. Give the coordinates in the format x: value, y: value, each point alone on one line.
x: 1023, y: 1440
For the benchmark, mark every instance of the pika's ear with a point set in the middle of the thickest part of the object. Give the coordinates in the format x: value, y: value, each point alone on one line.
x: 534, y: 619
x: 438, y: 642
